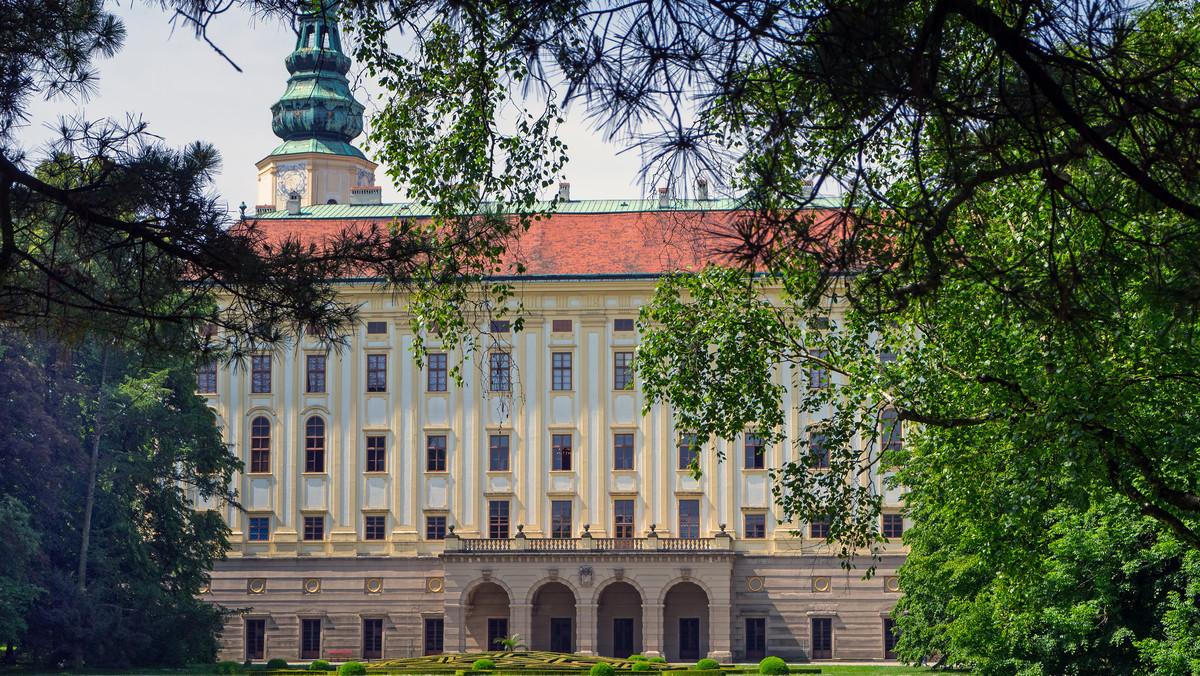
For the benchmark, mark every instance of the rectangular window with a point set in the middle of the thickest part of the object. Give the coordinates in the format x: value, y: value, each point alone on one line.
x: 560, y: 518
x: 500, y: 370
x: 260, y: 374
x: 256, y: 639
x: 755, y: 458
x: 689, y: 518
x: 377, y: 373
x: 498, y: 453
x: 622, y: 370
x: 892, y: 434
x: 314, y: 528
x: 893, y: 526
x: 560, y: 446
x: 689, y: 451
x: 622, y: 518
x: 818, y: 375
x: 622, y: 451
x: 819, y: 530
x: 622, y: 325
x: 314, y: 373
x: 818, y: 450
x: 889, y: 638
x: 260, y: 529
x: 561, y: 326
x: 435, y: 631
x: 206, y: 378
x: 435, y: 373
x: 560, y: 371
x: 372, y: 638
x: 376, y: 454
x: 756, y: 638
x: 373, y: 526
x: 497, y: 629
x: 498, y: 519
x: 310, y: 639
x: 376, y: 327
x: 435, y: 527
x: 314, y: 331
x: 499, y: 326
x: 435, y: 453
x: 756, y: 526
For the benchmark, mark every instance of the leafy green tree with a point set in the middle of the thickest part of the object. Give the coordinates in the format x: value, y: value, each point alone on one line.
x: 158, y: 450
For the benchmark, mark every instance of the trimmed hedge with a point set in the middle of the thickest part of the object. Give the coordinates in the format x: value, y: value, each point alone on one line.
x: 602, y: 669
x: 641, y: 666
x: 706, y: 664
x: 483, y: 664
x: 277, y: 663
x: 637, y: 658
x: 229, y: 667
x: 773, y: 666
x: 319, y: 665
x: 353, y: 669
x: 658, y: 660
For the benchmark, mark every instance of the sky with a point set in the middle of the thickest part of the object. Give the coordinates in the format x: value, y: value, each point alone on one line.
x: 187, y: 92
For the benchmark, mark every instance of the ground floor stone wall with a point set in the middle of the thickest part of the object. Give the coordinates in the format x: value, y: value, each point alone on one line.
x: 725, y: 605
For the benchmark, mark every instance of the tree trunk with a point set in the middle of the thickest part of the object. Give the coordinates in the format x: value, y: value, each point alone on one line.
x: 89, y: 501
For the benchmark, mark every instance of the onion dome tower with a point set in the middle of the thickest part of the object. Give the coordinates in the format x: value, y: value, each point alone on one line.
x: 317, y: 118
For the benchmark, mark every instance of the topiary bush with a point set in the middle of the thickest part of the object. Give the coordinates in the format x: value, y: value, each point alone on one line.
x: 319, y: 665
x: 658, y: 660
x: 602, y: 669
x: 353, y: 669
x: 773, y: 666
x: 642, y: 666
x: 483, y: 664
x: 706, y: 664
x: 277, y: 663
x: 229, y: 667
x: 637, y: 658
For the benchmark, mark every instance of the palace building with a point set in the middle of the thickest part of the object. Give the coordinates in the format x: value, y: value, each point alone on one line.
x: 390, y: 512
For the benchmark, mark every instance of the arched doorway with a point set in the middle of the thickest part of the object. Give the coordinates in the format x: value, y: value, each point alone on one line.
x: 487, y: 617
x: 685, y: 623
x: 553, y: 616
x: 619, y: 615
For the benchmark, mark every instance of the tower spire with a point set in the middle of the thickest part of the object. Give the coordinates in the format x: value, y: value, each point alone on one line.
x: 317, y: 113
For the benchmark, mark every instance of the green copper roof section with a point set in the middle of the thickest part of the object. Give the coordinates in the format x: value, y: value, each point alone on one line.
x: 318, y: 113
x: 352, y: 211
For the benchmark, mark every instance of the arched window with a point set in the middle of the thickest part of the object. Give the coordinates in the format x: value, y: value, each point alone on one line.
x: 260, y: 445
x: 314, y: 445
x: 891, y: 436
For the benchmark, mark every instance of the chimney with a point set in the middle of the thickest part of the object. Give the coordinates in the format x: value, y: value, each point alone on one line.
x: 293, y: 204
x: 564, y: 192
x: 664, y: 198
x: 701, y: 190
x: 366, y: 195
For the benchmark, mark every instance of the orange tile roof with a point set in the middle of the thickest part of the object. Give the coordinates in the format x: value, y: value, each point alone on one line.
x: 576, y: 242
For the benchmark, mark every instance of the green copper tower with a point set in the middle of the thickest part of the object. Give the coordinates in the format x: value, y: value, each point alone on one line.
x: 317, y: 118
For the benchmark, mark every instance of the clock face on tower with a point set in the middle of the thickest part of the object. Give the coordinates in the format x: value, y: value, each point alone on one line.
x: 291, y: 178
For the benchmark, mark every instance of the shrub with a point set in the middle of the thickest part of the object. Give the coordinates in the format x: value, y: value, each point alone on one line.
x: 707, y: 664
x: 773, y: 666
x: 637, y: 658
x: 229, y: 667
x: 602, y: 669
x: 483, y: 664
x: 277, y: 663
x: 353, y: 669
x: 642, y: 666
x: 319, y: 665
x: 658, y: 660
